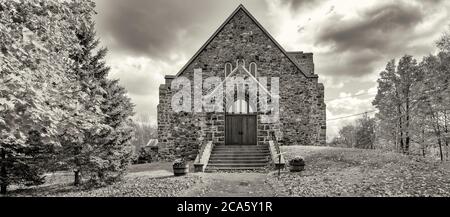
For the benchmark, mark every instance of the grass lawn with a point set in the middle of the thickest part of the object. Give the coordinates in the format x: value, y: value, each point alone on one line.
x: 355, y: 172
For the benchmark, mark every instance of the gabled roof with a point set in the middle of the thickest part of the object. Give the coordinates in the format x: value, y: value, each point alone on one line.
x: 239, y: 8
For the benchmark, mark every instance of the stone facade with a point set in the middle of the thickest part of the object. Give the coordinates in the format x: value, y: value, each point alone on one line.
x: 305, y: 60
x: 241, y: 37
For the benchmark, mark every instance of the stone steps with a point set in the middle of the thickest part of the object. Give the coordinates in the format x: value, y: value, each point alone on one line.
x: 236, y: 164
x: 237, y: 154
x: 232, y: 160
x: 219, y: 147
x: 238, y: 158
x: 242, y: 157
x: 231, y: 169
x: 242, y: 151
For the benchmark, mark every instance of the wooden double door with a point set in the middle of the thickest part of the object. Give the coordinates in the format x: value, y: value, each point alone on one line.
x: 240, y: 129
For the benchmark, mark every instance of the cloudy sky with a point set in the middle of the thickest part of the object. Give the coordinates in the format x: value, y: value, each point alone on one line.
x: 351, y: 41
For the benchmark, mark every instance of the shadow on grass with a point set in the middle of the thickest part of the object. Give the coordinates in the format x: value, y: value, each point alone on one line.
x: 160, y: 165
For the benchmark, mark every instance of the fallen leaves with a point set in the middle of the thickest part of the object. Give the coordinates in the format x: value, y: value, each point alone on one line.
x: 133, y: 186
x: 356, y: 172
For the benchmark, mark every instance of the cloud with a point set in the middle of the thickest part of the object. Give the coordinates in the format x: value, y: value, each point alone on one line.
x: 348, y: 63
x: 374, y: 29
x: 152, y: 28
x: 138, y: 75
x: 141, y: 77
x: 161, y: 28
x: 361, y: 41
x: 346, y: 106
x: 296, y: 5
x: 352, y: 43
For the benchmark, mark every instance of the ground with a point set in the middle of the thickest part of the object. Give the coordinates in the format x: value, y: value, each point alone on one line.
x: 232, y: 185
x: 328, y: 172
x: 356, y: 172
x: 144, y: 180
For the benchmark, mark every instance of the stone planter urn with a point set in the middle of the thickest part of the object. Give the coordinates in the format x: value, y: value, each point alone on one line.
x: 180, y: 167
x: 296, y: 164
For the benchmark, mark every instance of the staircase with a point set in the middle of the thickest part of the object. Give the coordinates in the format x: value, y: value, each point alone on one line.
x: 237, y: 157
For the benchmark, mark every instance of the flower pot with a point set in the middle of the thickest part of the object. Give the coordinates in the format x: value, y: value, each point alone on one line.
x: 296, y: 167
x: 180, y: 170
x: 297, y: 164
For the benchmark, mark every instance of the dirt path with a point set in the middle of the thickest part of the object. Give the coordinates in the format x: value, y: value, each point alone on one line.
x: 232, y: 185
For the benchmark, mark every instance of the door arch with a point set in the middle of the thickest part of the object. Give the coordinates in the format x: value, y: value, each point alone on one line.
x: 240, y: 124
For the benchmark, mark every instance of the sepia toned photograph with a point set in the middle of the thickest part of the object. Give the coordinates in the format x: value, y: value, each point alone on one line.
x: 224, y: 99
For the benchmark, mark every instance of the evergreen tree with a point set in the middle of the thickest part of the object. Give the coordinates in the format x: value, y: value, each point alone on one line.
x: 114, y: 149
x: 399, y: 94
x: 388, y: 103
x: 84, y: 121
x: 35, y: 46
x: 99, y: 146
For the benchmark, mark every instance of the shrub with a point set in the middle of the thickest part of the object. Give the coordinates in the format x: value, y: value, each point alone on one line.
x: 180, y: 162
x: 297, y: 160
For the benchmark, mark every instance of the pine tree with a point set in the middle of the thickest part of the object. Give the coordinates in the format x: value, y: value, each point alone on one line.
x: 99, y: 146
x: 114, y: 150
x: 83, y: 122
x: 388, y: 103
x: 399, y: 94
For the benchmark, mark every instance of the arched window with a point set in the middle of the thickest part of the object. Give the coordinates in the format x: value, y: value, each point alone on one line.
x: 240, y: 106
x: 253, y: 69
x: 228, y: 69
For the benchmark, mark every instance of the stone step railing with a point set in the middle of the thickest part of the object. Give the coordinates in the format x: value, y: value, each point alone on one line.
x: 201, y: 161
x: 277, y: 156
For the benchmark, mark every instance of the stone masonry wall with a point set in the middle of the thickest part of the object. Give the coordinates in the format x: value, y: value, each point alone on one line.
x: 302, y: 109
x: 305, y: 60
x: 318, y: 111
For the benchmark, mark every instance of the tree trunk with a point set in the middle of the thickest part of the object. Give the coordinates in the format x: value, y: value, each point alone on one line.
x: 407, y: 125
x: 446, y: 132
x: 396, y: 138
x: 446, y: 149
x: 3, y: 173
x: 423, y: 142
x: 439, y: 137
x: 77, y: 181
x: 402, y: 144
x: 400, y: 128
x: 76, y: 172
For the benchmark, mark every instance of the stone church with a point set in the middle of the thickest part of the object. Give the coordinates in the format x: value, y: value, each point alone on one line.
x: 242, y: 47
